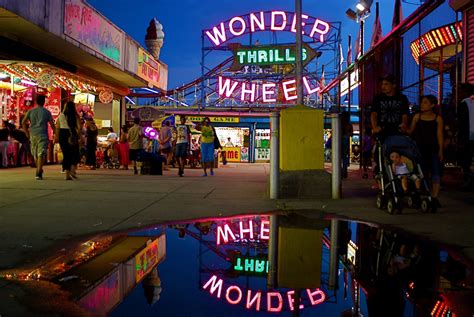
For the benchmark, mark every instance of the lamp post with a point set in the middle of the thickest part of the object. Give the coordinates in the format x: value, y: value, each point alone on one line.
x: 299, y: 48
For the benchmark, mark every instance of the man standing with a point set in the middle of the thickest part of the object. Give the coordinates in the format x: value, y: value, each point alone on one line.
x: 389, y: 110
x: 135, y: 140
x: 182, y: 144
x: 166, y: 136
x: 39, y: 118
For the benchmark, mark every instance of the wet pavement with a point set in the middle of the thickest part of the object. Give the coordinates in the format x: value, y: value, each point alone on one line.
x: 43, y: 224
x: 251, y: 266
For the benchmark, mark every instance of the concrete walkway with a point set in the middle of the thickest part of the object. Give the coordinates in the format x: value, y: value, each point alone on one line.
x: 41, y: 216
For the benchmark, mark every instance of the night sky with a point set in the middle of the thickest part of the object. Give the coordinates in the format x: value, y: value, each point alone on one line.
x: 183, y: 21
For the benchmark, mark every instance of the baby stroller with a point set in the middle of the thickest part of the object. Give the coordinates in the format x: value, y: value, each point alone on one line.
x: 391, y: 193
x: 111, y: 156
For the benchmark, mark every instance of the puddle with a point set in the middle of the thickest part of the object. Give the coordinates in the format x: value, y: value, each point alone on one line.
x: 264, y: 265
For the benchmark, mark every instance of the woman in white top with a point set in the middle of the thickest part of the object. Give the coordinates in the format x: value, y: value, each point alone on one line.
x: 67, y: 134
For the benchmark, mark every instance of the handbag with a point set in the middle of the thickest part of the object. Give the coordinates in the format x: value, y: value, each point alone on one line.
x: 217, y: 143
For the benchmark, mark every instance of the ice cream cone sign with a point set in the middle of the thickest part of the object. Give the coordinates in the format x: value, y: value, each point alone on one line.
x: 154, y: 38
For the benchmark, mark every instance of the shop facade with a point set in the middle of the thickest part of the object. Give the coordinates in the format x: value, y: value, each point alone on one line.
x: 68, y: 51
x: 245, y: 138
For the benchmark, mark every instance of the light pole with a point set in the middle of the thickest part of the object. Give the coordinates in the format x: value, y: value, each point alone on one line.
x: 363, y: 12
x: 299, y: 48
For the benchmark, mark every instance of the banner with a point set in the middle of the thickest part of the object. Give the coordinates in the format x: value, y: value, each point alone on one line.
x: 85, y: 25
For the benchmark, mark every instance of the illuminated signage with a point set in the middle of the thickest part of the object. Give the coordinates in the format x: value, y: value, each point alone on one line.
x: 253, y: 265
x: 248, y: 230
x: 352, y: 252
x: 435, y: 39
x: 215, y: 119
x: 233, y: 154
x: 267, y: 21
x: 85, y: 25
x: 269, y: 55
x: 273, y: 301
x: 148, y: 68
x: 266, y: 92
x: 354, y: 82
x: 150, y: 133
x: 146, y: 260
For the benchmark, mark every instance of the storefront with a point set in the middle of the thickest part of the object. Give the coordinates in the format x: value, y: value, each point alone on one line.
x: 245, y: 138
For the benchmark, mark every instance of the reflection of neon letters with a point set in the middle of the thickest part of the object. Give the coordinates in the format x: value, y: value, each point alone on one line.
x: 274, y: 299
x: 229, y: 88
x: 251, y: 265
x: 267, y: 21
x: 246, y: 232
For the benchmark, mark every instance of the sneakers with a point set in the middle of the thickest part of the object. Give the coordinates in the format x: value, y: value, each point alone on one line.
x: 212, y: 173
x: 180, y: 173
x: 204, y: 175
x: 38, y: 178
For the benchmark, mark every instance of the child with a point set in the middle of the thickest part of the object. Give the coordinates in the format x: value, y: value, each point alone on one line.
x: 400, y: 170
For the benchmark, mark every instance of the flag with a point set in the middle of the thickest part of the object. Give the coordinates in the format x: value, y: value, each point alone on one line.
x: 349, y: 52
x: 397, y: 14
x: 341, y: 56
x: 358, y: 46
x: 377, y: 31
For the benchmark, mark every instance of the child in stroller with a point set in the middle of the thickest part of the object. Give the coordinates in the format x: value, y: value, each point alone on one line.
x: 399, y: 159
x: 403, y: 172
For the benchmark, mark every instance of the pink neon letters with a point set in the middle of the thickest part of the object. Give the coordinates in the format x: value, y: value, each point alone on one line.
x: 246, y: 91
x: 267, y: 21
x: 248, y: 230
x: 274, y: 299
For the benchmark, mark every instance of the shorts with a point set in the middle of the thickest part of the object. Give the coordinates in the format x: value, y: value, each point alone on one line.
x: 166, y: 150
x: 207, y: 152
x: 39, y: 146
x: 182, y: 149
x: 133, y: 154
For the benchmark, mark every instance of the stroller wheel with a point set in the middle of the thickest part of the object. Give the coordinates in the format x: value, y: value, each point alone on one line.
x: 413, y: 202
x: 393, y: 207
x: 380, y: 201
x: 426, y: 205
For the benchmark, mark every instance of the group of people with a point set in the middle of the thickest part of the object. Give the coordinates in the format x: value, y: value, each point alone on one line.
x: 180, y: 147
x: 390, y: 116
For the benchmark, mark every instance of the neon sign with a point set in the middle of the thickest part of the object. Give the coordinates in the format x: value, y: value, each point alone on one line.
x: 248, y: 231
x: 150, y: 133
x: 275, y: 300
x: 249, y: 91
x: 269, y: 55
x: 435, y: 39
x: 250, y: 265
x: 267, y: 21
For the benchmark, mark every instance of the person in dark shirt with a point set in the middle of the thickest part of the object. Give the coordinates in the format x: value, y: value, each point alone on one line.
x: 4, y: 143
x: 24, y: 153
x: 389, y: 110
x: 465, y: 136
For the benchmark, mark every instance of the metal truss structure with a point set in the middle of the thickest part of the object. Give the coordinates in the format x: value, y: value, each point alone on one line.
x: 203, y: 92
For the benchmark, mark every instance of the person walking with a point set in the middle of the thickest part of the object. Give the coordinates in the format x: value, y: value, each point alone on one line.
x: 135, y: 140
x: 124, y: 148
x: 427, y: 131
x: 4, y: 143
x: 183, y: 144
x: 39, y: 118
x: 68, y: 129
x: 367, y: 146
x: 207, y: 146
x: 389, y: 114
x: 91, y: 143
x: 166, y: 146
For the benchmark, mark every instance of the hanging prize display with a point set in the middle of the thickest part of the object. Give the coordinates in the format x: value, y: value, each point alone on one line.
x: 46, y: 78
x: 106, y: 95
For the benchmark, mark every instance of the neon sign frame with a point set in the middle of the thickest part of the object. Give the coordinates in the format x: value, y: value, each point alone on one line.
x: 275, y: 20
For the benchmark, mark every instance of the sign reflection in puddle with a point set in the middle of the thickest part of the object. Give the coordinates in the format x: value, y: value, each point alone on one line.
x: 235, y: 267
